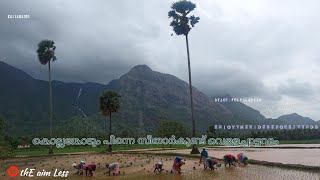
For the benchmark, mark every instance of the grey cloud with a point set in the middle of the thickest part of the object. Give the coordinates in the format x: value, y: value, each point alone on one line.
x: 296, y: 89
x: 248, y: 49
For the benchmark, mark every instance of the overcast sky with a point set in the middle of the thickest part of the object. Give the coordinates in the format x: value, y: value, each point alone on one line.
x: 267, y: 49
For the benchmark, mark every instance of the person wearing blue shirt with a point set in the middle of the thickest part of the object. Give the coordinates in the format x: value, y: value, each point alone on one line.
x: 203, y: 157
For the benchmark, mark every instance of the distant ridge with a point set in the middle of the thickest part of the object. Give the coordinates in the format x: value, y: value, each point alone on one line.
x: 147, y: 97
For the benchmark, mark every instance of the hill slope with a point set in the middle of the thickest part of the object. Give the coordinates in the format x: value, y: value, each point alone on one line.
x: 147, y: 97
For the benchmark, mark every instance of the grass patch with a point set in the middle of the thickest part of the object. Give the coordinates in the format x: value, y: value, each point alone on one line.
x: 43, y: 151
x: 102, y: 148
x: 311, y: 141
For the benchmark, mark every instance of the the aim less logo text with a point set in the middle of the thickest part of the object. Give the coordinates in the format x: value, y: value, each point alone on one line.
x: 31, y: 173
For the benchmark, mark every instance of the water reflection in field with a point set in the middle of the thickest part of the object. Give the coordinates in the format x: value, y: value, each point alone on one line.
x: 303, y: 156
x: 251, y: 172
x: 138, y: 167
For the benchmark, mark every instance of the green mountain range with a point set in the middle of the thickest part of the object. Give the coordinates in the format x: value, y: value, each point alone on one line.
x: 147, y: 97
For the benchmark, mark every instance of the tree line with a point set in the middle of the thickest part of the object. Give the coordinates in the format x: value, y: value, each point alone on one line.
x: 290, y: 135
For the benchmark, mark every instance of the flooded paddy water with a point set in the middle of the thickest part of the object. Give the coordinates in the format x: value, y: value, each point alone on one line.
x: 308, y: 155
x: 139, y: 166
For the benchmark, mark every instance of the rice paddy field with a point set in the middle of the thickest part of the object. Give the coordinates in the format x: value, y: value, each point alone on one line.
x: 140, y: 166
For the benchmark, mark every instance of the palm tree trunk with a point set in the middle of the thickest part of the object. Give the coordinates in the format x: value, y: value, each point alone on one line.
x: 50, y: 105
x: 194, y: 147
x: 110, y: 146
x: 162, y: 133
x: 190, y: 86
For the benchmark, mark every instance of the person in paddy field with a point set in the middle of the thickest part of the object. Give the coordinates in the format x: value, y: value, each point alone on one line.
x: 177, y: 163
x: 229, y: 159
x: 242, y: 159
x: 90, y: 168
x: 78, y: 167
x: 203, y: 157
x: 113, y: 167
x: 210, y: 162
x: 158, y: 166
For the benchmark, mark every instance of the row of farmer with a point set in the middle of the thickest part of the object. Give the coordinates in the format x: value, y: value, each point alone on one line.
x: 208, y: 163
x: 228, y: 159
x: 82, y: 167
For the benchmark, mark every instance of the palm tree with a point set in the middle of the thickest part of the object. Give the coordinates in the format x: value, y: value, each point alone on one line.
x: 109, y: 103
x: 46, y: 54
x: 182, y: 22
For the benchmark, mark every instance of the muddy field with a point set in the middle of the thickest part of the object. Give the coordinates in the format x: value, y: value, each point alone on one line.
x: 309, y: 157
x: 135, y: 166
